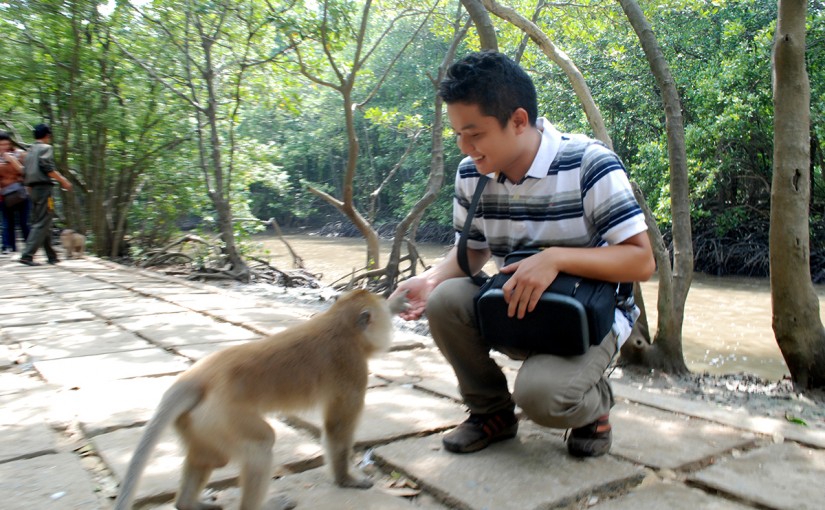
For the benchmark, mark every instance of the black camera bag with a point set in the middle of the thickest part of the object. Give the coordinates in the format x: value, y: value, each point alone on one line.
x: 571, y: 315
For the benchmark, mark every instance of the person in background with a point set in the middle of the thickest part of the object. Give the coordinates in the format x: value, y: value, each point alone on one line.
x: 39, y: 170
x: 11, y: 172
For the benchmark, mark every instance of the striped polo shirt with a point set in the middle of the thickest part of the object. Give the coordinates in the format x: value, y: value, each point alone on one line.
x: 576, y: 193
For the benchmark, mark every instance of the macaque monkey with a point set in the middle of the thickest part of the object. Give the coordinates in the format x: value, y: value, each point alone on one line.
x: 217, y: 405
x: 73, y: 243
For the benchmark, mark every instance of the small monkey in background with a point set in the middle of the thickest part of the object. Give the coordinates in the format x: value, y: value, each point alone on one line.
x: 217, y: 405
x: 73, y: 242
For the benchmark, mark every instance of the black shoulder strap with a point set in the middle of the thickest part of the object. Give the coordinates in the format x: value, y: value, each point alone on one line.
x: 465, y: 232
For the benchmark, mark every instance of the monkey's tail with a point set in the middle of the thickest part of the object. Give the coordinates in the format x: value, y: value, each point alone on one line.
x: 178, y: 399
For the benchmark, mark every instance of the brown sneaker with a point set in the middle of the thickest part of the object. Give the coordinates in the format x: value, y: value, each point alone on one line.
x: 480, y: 430
x: 592, y: 440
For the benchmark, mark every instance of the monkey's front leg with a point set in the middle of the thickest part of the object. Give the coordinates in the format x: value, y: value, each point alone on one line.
x: 340, y: 420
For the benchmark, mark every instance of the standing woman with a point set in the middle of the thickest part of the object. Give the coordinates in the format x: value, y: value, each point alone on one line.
x: 11, y: 172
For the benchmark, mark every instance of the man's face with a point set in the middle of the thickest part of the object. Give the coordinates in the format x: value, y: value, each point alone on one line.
x: 481, y: 137
x: 5, y: 146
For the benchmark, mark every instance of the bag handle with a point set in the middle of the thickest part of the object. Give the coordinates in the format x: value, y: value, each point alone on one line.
x: 463, y: 263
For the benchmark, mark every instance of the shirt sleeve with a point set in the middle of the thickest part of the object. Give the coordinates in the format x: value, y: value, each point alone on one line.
x: 609, y: 203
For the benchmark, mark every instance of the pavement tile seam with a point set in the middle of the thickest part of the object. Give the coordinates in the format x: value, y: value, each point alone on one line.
x: 435, y: 393
x: 697, y: 465
x: 784, y: 475
x: 260, y: 330
x: 29, y: 455
x: 708, y: 412
x: 577, y: 500
x: 600, y: 491
x: 720, y: 493
x: 229, y: 482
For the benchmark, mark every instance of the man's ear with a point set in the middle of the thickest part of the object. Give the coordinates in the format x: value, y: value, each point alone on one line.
x: 520, y: 120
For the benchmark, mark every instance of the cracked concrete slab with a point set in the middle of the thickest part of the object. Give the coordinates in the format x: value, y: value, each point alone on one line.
x: 427, y: 369
x: 131, y: 307
x: 33, y: 305
x: 666, y: 440
x: 58, y: 282
x: 263, y: 318
x: 293, y: 450
x: 162, y: 288
x: 117, y: 404
x: 314, y: 489
x: 738, y: 418
x: 211, y: 302
x: 55, y: 341
x: 85, y: 296
x: 11, y: 291
x: 198, y: 351
x: 392, y: 412
x: 96, y: 369
x: 674, y: 496
x: 17, y: 382
x: 48, y: 481
x: 69, y: 314
x: 185, y: 328
x: 25, y: 440
x: 782, y: 476
x: 531, y: 471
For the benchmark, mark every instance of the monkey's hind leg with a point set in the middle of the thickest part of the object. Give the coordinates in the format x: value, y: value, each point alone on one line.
x: 255, y: 449
x: 340, y: 419
x: 198, y: 466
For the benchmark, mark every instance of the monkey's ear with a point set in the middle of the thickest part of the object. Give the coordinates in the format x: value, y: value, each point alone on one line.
x: 364, y: 319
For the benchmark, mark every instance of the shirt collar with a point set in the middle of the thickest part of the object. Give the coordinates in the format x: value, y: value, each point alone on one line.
x: 549, y: 147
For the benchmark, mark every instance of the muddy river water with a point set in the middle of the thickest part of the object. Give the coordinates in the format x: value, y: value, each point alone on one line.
x: 727, y: 326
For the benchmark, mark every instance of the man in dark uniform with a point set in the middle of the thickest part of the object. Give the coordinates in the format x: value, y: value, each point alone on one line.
x: 39, y: 170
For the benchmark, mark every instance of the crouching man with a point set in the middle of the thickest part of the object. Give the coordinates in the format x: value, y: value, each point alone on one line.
x: 566, y: 193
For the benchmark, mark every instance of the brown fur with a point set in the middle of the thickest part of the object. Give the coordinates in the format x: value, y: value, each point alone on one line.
x: 217, y: 404
x: 73, y: 243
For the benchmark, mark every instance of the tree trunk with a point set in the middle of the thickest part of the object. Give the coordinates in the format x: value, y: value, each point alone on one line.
x: 221, y: 194
x: 348, y: 207
x: 796, y: 320
x: 484, y: 25
x: 436, y: 177
x: 673, y: 286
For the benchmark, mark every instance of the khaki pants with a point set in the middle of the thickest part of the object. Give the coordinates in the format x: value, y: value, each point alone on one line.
x: 553, y: 391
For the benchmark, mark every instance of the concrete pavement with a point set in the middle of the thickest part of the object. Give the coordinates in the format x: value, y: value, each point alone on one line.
x: 88, y: 347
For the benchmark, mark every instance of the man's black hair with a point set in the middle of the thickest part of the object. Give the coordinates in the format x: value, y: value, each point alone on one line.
x: 41, y: 131
x: 493, y: 81
x: 5, y: 136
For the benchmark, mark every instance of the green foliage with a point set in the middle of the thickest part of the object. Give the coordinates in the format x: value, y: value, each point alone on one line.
x: 132, y: 143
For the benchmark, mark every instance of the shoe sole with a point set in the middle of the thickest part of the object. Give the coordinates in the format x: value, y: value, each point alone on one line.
x: 589, y: 447
x: 506, y: 434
